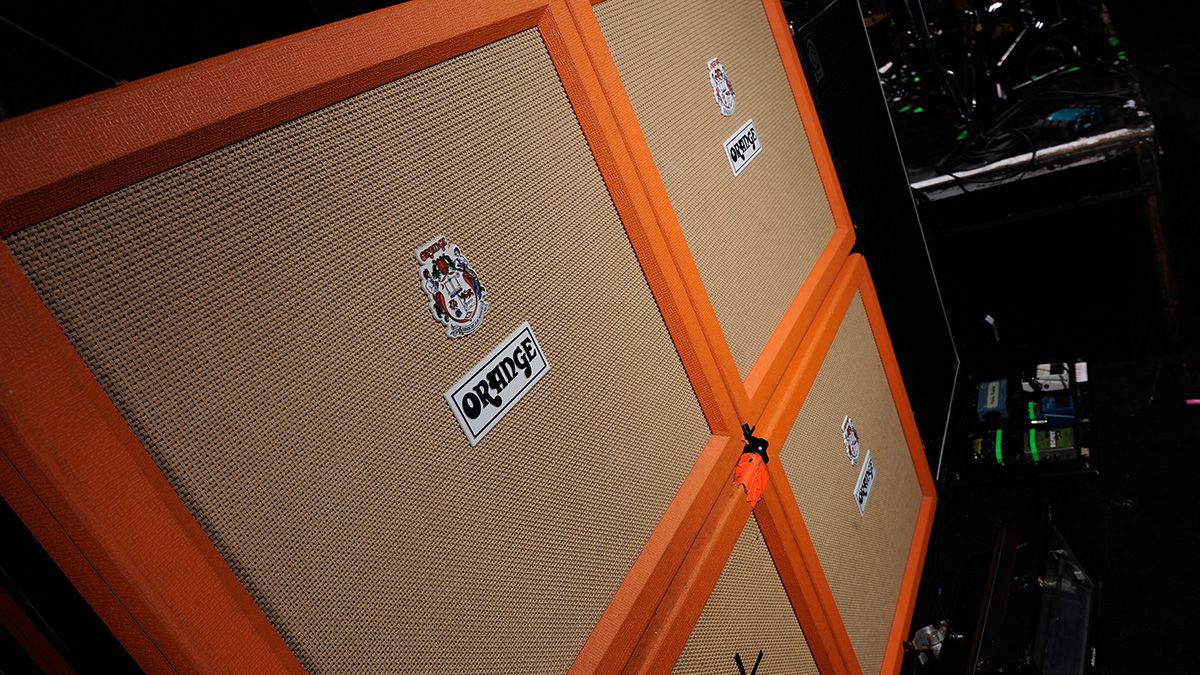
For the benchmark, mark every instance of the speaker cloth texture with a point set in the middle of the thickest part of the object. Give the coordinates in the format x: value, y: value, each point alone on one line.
x: 755, y: 237
x: 863, y: 556
x: 748, y: 612
x: 257, y: 316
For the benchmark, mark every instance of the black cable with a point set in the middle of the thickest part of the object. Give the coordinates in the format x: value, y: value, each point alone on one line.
x: 1054, y: 42
x: 50, y: 45
x: 1038, y: 88
x: 1028, y: 165
x: 983, y: 131
x: 996, y: 141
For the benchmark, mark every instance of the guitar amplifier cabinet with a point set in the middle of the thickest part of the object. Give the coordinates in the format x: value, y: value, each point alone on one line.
x: 747, y: 614
x: 412, y: 344
x: 230, y: 396
x: 840, y: 67
x: 865, y: 496
x: 764, y: 226
x: 765, y: 236
x: 841, y: 534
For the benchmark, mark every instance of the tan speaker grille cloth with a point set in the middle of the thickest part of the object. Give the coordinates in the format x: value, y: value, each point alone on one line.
x: 748, y: 610
x: 256, y: 316
x: 755, y: 237
x: 863, y: 557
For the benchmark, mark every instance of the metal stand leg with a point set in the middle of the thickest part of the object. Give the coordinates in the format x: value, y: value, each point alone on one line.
x: 1168, y: 292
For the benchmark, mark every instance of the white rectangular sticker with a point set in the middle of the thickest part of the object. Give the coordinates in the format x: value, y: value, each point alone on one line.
x: 485, y: 395
x: 866, y: 481
x: 993, y: 395
x: 742, y: 147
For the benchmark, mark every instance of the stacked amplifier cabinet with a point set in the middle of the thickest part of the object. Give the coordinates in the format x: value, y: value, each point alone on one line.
x: 421, y: 342
x: 840, y: 68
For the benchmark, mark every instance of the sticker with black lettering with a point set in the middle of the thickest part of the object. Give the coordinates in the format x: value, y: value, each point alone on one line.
x: 485, y: 395
x: 866, y: 481
x: 742, y: 147
x: 993, y: 395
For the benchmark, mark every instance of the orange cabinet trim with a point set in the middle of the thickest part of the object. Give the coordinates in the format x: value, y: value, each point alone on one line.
x: 73, y: 469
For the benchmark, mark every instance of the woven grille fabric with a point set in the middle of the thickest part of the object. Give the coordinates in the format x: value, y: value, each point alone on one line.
x: 755, y: 237
x: 256, y: 315
x: 748, y: 611
x: 863, y: 556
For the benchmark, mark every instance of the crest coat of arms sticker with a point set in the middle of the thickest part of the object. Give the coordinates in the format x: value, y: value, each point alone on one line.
x: 851, y: 440
x: 722, y: 88
x: 456, y: 296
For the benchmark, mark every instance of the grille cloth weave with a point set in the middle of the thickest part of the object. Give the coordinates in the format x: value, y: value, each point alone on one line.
x: 755, y: 237
x: 863, y: 557
x: 256, y: 316
x: 748, y: 610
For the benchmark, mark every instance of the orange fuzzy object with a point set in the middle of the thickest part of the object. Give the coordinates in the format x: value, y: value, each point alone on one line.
x: 751, y: 475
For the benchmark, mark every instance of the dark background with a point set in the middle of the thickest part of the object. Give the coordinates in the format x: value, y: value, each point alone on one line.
x: 1083, y: 284
x: 129, y: 40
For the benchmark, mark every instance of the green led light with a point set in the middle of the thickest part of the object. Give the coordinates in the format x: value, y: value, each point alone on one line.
x: 961, y: 135
x: 1033, y: 444
x: 1032, y: 414
x: 1122, y: 56
x: 916, y: 78
x: 1072, y: 69
x: 906, y: 108
x: 999, y: 455
x: 918, y: 109
x: 1114, y: 41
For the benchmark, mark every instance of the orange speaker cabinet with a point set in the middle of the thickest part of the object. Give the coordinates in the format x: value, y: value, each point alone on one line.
x: 244, y: 372
x: 240, y: 318
x: 827, y: 579
x: 713, y: 103
x: 854, y: 482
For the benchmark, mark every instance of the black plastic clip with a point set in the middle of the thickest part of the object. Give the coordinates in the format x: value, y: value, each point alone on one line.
x: 754, y: 444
